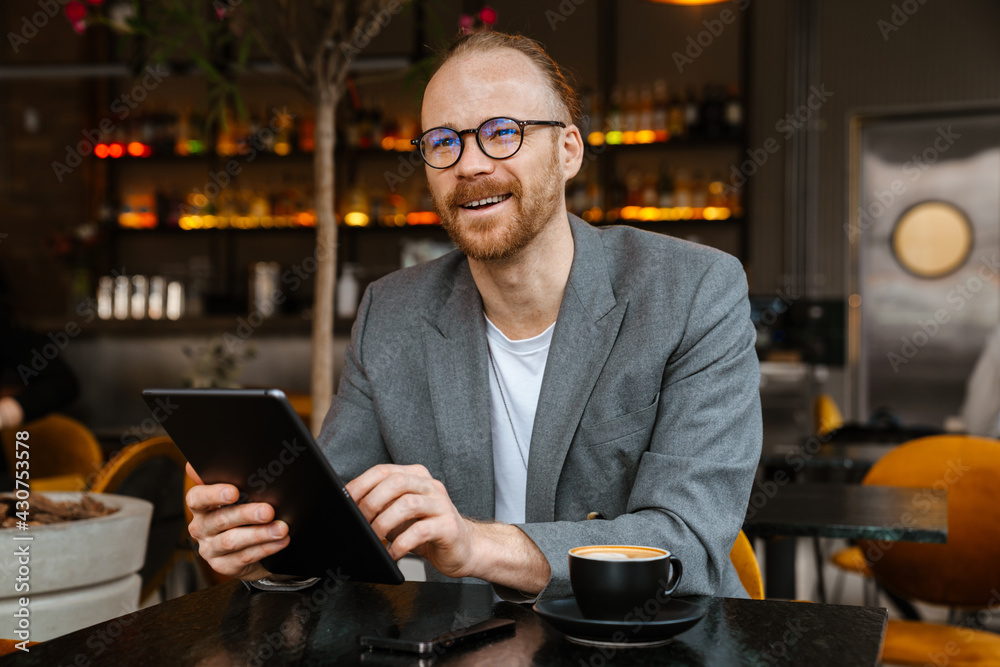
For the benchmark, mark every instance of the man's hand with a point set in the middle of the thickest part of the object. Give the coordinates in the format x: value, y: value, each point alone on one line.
x: 233, y: 538
x: 413, y: 510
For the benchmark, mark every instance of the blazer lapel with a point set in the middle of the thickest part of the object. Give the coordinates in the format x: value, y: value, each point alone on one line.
x: 586, y: 329
x: 455, y: 348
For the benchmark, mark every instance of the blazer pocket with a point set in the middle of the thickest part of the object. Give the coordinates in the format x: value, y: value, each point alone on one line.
x: 620, y: 427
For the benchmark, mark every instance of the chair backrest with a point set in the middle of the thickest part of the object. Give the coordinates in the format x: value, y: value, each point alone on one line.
x: 59, y: 445
x: 153, y: 470
x: 745, y: 562
x: 826, y: 414
x: 964, y: 572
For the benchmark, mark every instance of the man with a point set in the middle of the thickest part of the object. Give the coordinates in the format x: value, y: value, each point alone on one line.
x: 548, y: 386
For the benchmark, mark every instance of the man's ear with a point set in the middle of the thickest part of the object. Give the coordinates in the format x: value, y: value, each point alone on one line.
x: 571, y: 151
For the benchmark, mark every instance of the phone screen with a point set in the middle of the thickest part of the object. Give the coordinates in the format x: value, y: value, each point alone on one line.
x: 422, y: 641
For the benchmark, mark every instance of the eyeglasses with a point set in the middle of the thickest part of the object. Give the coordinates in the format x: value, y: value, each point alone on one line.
x: 499, y: 138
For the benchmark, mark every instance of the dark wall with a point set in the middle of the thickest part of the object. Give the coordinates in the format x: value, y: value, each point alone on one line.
x: 944, y: 54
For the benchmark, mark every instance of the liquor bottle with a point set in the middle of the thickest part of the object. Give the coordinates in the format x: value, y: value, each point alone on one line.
x: 633, y: 187
x: 675, y: 117
x: 650, y: 196
x: 712, y: 112
x: 716, y: 191
x: 699, y: 192
x: 646, y: 109
x: 307, y: 133
x: 734, y: 112
x: 348, y: 291
x: 615, y: 112
x: 692, y: 111
x: 631, y: 114
x: 683, y: 197
x: 661, y: 110
x: 364, y: 121
x: 283, y: 134
x: 225, y: 143
x: 666, y: 189
x: 181, y: 143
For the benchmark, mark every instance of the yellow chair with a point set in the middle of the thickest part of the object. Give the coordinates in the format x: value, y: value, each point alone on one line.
x: 964, y: 573
x: 153, y: 470
x: 826, y: 415
x: 64, y: 454
x: 745, y: 562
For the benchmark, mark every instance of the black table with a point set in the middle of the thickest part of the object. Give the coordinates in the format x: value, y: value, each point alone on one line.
x: 849, y: 511
x: 228, y: 625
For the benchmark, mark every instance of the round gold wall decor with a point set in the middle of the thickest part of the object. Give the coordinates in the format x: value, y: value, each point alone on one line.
x: 932, y: 239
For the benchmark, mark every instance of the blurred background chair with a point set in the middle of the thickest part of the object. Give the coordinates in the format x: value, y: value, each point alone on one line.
x: 64, y: 454
x: 964, y: 573
x: 745, y: 562
x: 153, y: 470
x: 826, y: 415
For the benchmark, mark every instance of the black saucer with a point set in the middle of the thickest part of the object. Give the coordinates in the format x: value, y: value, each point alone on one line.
x: 674, y: 617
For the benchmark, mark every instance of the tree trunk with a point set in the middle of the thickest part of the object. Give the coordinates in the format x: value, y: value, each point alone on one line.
x: 326, y: 254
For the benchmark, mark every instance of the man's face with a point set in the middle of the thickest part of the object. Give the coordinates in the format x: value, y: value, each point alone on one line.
x: 528, y: 188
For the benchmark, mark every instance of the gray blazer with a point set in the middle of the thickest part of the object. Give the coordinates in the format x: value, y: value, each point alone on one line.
x: 649, y: 412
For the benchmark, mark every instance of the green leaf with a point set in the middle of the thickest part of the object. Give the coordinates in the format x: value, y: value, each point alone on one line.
x: 244, y: 54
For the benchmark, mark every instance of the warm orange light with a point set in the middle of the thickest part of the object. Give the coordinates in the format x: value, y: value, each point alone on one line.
x: 422, y: 218
x: 356, y: 219
x: 101, y: 150
x: 388, y: 143
x: 135, y: 149
x: 690, y: 2
x: 630, y: 213
x: 645, y: 137
x: 649, y: 213
x: 595, y: 138
x: 116, y: 150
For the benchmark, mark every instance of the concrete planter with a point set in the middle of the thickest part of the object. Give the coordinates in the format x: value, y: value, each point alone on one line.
x: 79, y: 572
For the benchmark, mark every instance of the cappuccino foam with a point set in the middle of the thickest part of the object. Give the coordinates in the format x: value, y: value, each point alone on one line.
x: 618, y: 552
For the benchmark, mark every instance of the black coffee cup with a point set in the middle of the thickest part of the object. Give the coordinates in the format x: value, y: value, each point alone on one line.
x: 622, y: 583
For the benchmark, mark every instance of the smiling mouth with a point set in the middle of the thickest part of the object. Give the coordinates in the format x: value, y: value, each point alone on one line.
x: 485, y: 202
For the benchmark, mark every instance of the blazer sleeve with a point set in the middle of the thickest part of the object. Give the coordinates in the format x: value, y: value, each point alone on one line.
x: 350, y: 436
x: 694, y: 479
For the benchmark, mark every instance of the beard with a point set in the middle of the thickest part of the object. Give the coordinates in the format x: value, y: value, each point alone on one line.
x: 500, y: 236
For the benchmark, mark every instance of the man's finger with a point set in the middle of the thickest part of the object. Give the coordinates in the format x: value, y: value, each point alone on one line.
x: 241, y: 563
x: 393, y: 488
x: 236, y: 516
x: 361, y: 486
x: 243, y: 539
x: 405, y: 510
x: 210, y: 496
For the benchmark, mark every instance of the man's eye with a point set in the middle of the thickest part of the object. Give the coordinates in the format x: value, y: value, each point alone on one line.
x: 443, y: 142
x: 504, y: 133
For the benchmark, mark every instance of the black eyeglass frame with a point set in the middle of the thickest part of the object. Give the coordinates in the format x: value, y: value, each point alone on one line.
x: 461, y: 142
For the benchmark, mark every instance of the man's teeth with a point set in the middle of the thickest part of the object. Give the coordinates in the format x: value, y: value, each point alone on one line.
x: 495, y: 199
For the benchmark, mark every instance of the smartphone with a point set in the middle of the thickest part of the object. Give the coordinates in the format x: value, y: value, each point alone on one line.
x: 395, y: 640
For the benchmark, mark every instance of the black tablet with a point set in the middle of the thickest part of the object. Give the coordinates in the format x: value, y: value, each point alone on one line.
x: 253, y: 439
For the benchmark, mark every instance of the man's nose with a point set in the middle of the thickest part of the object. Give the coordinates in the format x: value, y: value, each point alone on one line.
x: 474, y: 161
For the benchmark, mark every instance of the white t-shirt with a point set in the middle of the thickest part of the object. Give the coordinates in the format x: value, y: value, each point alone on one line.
x: 520, y: 365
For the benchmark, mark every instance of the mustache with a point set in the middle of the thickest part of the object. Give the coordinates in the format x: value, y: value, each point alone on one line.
x: 486, y: 187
